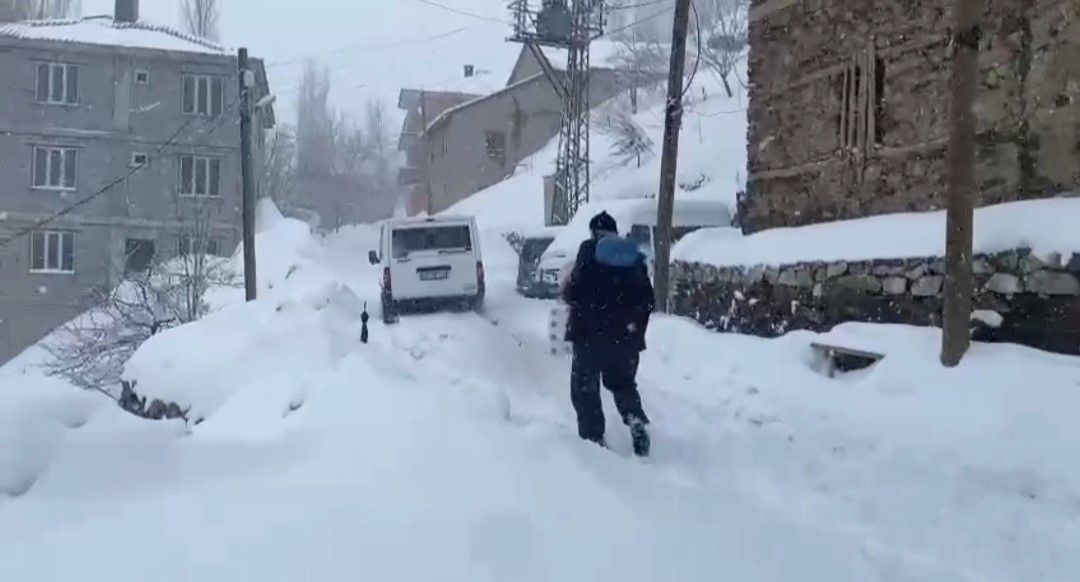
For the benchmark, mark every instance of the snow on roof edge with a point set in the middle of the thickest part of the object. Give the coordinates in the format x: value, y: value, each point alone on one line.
x: 22, y: 30
x: 1046, y: 226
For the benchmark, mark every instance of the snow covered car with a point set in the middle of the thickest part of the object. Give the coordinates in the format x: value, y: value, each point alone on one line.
x: 637, y: 220
x: 531, y: 249
x: 433, y: 261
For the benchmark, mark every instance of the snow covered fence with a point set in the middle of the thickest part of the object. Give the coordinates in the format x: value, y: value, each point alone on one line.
x: 817, y: 277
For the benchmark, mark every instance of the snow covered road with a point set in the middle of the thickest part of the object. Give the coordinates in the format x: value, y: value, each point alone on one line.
x: 445, y: 450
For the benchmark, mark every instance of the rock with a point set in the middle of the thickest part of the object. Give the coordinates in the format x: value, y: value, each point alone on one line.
x: 173, y: 411
x: 894, y: 285
x: 916, y: 272
x: 754, y: 275
x: 1053, y: 283
x: 928, y: 286
x: 795, y: 278
x: 1005, y: 284
x: 834, y: 270
x: 859, y: 268
x: 156, y: 410
x: 865, y: 283
x: 937, y: 267
x: 980, y: 266
x: 888, y: 270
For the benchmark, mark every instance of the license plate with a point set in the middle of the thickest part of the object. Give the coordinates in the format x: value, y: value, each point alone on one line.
x: 433, y: 275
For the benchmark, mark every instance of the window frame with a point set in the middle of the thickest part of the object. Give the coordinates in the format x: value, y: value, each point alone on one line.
x: 134, y: 164
x: 199, y: 91
x: 61, y: 255
x: 64, y: 151
x: 69, y: 97
x: 185, y: 243
x: 207, y: 174
x: 495, y: 145
x: 145, y: 74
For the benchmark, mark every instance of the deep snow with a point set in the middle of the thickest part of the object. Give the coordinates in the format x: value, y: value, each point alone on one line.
x: 445, y: 449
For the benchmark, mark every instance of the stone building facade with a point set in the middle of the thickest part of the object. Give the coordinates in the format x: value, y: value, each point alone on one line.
x: 848, y: 111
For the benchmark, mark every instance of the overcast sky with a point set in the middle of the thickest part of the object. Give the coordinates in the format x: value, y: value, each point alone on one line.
x: 374, y: 47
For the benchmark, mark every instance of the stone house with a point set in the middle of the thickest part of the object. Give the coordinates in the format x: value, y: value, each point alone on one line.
x: 848, y: 111
x: 474, y: 142
x: 85, y: 103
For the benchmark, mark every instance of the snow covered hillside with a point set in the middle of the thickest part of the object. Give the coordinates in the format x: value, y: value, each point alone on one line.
x: 445, y: 449
x: 712, y: 160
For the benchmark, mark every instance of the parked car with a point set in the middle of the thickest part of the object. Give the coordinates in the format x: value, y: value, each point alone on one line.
x: 530, y: 248
x: 637, y: 220
x: 429, y: 262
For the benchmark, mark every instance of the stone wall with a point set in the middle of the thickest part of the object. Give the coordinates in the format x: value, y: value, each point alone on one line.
x: 801, y: 171
x: 1038, y: 300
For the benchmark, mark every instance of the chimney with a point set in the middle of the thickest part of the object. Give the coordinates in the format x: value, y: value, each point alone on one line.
x: 126, y: 11
x: 469, y: 71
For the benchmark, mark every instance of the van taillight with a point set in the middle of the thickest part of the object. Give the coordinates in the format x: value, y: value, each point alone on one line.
x: 386, y: 278
x: 480, y: 274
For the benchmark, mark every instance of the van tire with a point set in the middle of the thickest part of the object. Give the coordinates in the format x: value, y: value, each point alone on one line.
x: 477, y: 304
x: 389, y: 311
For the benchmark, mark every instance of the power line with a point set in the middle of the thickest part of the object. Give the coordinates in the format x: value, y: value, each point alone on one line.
x: 640, y: 5
x: 463, y: 12
x: 367, y: 48
x: 134, y: 170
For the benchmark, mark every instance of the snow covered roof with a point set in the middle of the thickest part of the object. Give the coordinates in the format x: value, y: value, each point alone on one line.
x: 104, y: 31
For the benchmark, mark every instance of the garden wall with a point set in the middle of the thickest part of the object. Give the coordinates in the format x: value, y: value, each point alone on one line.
x: 1038, y: 299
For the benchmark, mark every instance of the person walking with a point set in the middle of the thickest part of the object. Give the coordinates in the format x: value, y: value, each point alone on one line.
x: 610, y: 298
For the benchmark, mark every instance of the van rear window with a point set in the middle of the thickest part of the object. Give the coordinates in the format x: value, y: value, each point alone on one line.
x: 430, y: 238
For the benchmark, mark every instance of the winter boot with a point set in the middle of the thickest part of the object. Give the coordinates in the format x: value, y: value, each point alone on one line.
x: 640, y: 438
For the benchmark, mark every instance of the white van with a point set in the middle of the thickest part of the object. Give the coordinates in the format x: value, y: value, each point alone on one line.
x: 429, y: 261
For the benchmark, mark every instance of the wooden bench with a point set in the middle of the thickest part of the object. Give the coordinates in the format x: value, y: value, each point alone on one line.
x: 841, y: 357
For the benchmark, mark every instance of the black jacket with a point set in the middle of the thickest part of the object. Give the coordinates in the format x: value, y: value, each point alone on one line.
x: 609, y: 294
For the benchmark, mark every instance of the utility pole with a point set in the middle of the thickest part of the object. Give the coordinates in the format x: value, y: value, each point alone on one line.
x: 247, y: 81
x: 960, y: 206
x: 426, y: 150
x: 672, y: 122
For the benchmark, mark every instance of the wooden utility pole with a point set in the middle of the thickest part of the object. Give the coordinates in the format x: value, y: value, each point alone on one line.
x: 426, y: 150
x: 672, y: 122
x: 960, y: 207
x: 247, y: 179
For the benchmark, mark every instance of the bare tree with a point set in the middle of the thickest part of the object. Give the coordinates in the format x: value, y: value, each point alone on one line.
x: 641, y: 65
x: 631, y: 142
x: 200, y: 17
x: 91, y: 350
x: 722, y: 31
x: 278, y: 168
x: 27, y: 9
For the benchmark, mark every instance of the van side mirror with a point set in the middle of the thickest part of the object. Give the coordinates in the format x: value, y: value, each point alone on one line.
x: 373, y: 257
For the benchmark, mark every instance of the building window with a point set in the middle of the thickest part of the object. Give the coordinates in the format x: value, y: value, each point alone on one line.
x: 210, y: 246
x: 58, y: 84
x: 862, y: 104
x: 139, y: 159
x: 142, y: 77
x: 495, y: 146
x: 54, y: 168
x: 200, y: 176
x: 138, y: 255
x: 203, y: 95
x: 52, y: 251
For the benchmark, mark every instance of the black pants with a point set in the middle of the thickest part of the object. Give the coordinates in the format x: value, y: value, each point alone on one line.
x: 617, y: 367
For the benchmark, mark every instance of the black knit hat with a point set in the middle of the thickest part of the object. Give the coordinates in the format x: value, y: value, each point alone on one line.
x: 603, y: 222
